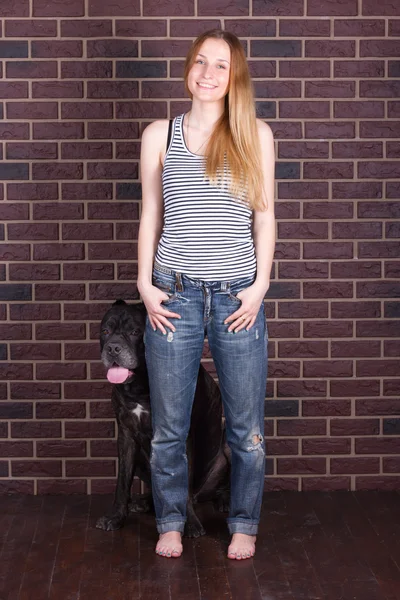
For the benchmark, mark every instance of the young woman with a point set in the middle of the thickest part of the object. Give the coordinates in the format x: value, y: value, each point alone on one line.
x: 206, y: 245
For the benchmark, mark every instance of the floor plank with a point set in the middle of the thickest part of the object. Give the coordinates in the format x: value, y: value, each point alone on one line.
x: 311, y: 546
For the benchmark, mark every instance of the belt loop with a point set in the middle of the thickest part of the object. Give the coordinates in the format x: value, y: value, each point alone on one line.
x: 224, y: 285
x: 178, y: 282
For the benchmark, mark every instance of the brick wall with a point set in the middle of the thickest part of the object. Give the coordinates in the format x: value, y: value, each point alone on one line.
x: 79, y: 81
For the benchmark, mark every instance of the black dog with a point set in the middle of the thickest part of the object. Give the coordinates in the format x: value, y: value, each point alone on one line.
x: 209, y: 457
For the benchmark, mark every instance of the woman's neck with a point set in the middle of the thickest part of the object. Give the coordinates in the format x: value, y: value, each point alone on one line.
x: 205, y: 116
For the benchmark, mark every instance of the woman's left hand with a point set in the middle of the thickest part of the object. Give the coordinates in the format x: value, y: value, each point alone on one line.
x: 251, y: 299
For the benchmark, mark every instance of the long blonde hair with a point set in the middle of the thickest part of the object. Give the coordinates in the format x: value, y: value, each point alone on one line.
x: 235, y: 136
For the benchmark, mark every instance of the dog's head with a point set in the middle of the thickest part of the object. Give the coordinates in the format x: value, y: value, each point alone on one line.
x: 121, y: 340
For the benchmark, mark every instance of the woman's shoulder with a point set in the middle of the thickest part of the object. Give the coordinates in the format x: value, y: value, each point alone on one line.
x: 156, y: 130
x: 263, y: 128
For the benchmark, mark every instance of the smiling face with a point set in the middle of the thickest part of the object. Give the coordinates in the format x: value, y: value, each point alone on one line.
x: 208, y: 79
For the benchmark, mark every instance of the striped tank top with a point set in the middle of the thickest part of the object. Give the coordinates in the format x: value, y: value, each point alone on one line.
x: 207, y: 232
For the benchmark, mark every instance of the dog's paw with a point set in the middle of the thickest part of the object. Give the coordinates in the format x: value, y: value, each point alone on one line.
x: 110, y: 522
x: 221, y: 502
x: 141, y: 504
x: 193, y: 530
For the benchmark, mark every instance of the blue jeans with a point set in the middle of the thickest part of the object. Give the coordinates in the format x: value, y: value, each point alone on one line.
x: 173, y: 363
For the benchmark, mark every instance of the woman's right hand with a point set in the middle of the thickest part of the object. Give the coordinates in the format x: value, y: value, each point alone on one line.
x: 158, y: 315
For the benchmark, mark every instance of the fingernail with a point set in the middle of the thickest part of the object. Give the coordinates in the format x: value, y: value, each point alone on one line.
x: 164, y: 333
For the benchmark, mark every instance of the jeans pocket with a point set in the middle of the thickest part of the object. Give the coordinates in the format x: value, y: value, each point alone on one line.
x: 238, y: 286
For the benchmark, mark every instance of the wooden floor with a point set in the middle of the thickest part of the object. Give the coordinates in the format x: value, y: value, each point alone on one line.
x: 311, y: 545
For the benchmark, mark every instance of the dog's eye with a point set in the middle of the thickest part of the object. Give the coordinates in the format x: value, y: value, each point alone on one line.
x: 105, y: 332
x: 135, y: 332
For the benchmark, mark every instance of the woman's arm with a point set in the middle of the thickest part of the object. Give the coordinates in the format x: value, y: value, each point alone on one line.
x: 264, y: 221
x: 154, y: 140
x: 264, y: 239
x: 151, y: 218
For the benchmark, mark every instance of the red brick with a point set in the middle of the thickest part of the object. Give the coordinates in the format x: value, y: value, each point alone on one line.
x: 31, y: 150
x: 127, y: 150
x: 326, y: 446
x: 76, y: 150
x: 59, y: 371
x: 301, y: 427
x: 112, y: 89
x: 87, y: 429
x: 34, y: 312
x: 301, y: 109
x: 115, y: 8
x: 18, y: 8
x: 36, y: 231
x: 352, y: 28
x: 12, y: 448
x: 58, y: 292
x: 101, y: 410
x: 377, y: 482
x: 58, y: 211
x: 36, y: 429
x: 86, y: 69
x: 357, y: 230
x: 357, y: 150
x: 57, y: 131
x: 355, y: 465
x: 359, y: 68
x: 87, y: 191
x: 112, y: 170
x: 34, y: 351
x: 12, y: 212
x: 36, y: 468
x: 117, y: 250
x: 89, y: 351
x: 31, y: 69
x: 56, y: 49
x: 59, y: 8
x: 86, y: 28
x: 57, y: 89
x: 326, y: 408
x: 112, y: 130
x: 328, y: 170
x: 377, y: 445
x: 354, y: 427
x: 394, y: 27
x: 325, y: 484
x: 60, y: 170
x: 14, y: 131
x: 61, y: 449
x: 60, y: 410
x: 348, y: 387
x: 145, y: 28
x: 384, y: 8
x: 14, y: 252
x: 391, y: 465
x: 377, y: 48
x: 61, y: 486
x: 304, y: 68
x: 90, y: 468
x: 290, y: 8
x: 31, y: 28
x: 86, y: 110
x: 60, y: 331
x: 316, y: 8
x: 379, y: 129
x: 87, y: 231
x: 112, y: 48
x: 13, y: 89
x: 304, y: 28
x: 329, y: 89
x: 163, y: 89
x: 161, y: 8
x: 300, y: 465
x: 329, y: 48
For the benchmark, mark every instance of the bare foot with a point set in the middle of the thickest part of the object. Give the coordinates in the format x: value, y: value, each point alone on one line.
x: 242, y: 546
x: 169, y: 544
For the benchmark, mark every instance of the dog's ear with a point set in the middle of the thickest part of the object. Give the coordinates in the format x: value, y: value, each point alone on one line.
x: 118, y: 302
x: 141, y: 306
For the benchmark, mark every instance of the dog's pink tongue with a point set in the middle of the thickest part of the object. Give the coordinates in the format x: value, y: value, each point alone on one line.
x: 118, y: 374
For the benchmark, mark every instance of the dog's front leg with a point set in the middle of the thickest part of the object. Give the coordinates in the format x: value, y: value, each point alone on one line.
x: 193, y: 526
x: 128, y: 451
